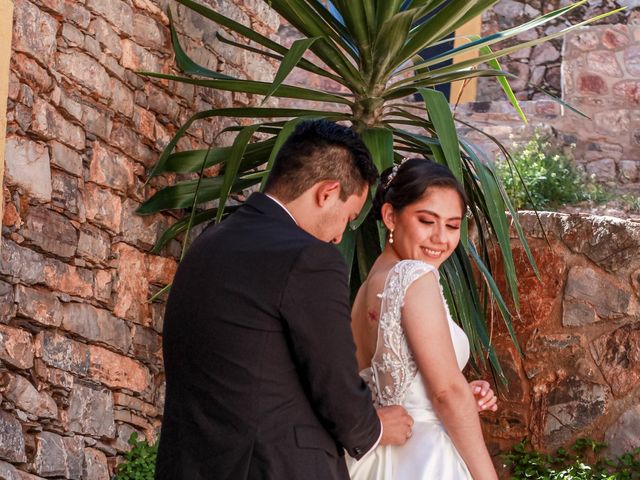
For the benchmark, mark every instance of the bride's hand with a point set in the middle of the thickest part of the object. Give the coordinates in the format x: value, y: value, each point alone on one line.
x: 485, y: 397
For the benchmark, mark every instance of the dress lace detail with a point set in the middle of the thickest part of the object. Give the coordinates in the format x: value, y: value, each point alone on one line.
x: 394, y: 379
x: 392, y: 366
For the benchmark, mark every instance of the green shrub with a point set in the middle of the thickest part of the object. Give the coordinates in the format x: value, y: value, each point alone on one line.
x: 549, y: 176
x: 584, y: 463
x: 140, y: 461
x: 630, y: 202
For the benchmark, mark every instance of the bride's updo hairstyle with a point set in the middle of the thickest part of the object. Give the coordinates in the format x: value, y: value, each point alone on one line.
x: 403, y: 184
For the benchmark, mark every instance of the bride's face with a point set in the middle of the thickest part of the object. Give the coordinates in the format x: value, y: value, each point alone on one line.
x: 428, y: 229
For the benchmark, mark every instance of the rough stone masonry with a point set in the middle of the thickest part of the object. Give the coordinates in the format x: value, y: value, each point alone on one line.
x: 80, y: 345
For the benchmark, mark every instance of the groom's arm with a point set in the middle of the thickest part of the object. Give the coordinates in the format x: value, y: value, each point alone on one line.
x: 315, y: 307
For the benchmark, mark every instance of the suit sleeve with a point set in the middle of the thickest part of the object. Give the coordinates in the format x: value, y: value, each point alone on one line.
x: 315, y: 308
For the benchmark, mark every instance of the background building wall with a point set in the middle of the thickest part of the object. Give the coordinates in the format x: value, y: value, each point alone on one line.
x: 540, y: 65
x: 601, y: 78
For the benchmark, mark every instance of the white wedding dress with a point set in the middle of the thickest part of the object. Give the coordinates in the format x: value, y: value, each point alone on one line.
x: 394, y: 380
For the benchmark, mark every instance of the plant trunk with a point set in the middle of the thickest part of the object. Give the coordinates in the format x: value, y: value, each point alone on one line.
x: 367, y: 113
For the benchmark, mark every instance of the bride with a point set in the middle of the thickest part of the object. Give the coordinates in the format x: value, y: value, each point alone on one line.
x: 409, y: 349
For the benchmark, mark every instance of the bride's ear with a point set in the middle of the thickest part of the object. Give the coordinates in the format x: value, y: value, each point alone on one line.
x: 388, y: 216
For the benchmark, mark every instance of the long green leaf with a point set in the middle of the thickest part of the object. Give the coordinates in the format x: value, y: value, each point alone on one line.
x: 440, y: 116
x: 233, y: 25
x: 307, y: 21
x: 504, y: 83
x: 181, y: 195
x: 478, y: 42
x: 496, y: 215
x: 391, y: 39
x: 462, y: 289
x: 394, y: 92
x: 566, y: 105
x: 194, y: 204
x: 367, y: 247
x: 282, y: 137
x: 514, y: 214
x: 289, y: 61
x: 379, y: 141
x: 496, y: 293
x: 180, y: 226
x: 347, y: 247
x: 436, y: 27
x: 364, y: 213
x: 256, y: 88
x: 232, y: 165
x: 386, y: 11
x: 357, y: 17
x: 240, y: 112
x: 191, y: 160
x: 506, y: 51
x: 330, y: 19
x: 517, y: 226
x: 304, y: 64
x: 305, y: 16
x: 184, y: 62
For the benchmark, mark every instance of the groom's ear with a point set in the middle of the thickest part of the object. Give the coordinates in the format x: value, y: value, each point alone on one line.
x: 388, y: 216
x: 327, y: 192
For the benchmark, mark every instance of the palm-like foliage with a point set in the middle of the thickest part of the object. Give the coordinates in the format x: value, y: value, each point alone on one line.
x: 373, y: 55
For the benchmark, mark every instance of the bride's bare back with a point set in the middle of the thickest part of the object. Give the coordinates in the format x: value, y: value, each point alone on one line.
x: 366, y: 313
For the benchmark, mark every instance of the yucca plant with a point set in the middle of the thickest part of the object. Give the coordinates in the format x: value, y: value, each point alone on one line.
x: 372, y: 52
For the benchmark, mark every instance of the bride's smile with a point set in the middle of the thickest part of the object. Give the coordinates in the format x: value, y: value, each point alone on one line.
x: 429, y: 229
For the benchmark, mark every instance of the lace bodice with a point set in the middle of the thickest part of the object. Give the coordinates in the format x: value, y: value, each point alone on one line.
x: 393, y: 368
x: 394, y: 379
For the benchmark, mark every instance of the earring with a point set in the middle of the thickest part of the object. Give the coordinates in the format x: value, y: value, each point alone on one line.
x: 390, y: 236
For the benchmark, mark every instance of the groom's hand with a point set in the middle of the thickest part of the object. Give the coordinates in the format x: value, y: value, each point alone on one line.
x: 396, y: 425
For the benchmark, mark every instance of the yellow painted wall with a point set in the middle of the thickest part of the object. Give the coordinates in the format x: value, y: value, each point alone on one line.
x: 470, y: 88
x: 6, y: 27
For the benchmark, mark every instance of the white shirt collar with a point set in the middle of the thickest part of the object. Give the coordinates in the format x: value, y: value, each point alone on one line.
x: 283, y: 207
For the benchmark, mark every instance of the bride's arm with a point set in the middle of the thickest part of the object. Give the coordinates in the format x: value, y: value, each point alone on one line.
x: 427, y: 330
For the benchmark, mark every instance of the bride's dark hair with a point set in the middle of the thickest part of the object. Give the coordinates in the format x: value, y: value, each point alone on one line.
x: 404, y: 184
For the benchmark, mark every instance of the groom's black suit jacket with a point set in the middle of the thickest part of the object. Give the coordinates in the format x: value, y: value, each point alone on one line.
x: 261, y: 373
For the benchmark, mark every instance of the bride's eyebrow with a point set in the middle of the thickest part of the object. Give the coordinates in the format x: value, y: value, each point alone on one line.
x: 436, y: 215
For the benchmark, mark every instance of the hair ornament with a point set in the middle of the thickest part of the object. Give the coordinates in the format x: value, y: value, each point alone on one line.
x: 394, y: 172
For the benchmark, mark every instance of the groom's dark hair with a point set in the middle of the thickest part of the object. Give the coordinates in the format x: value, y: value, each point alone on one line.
x: 321, y: 150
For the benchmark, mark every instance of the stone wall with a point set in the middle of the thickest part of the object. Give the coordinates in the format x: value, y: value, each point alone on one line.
x: 601, y: 78
x: 540, y: 65
x: 579, y: 330
x: 80, y: 359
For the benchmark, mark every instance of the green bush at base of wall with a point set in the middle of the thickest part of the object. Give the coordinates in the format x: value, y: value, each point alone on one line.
x: 549, y: 175
x: 582, y: 461
x: 139, y: 462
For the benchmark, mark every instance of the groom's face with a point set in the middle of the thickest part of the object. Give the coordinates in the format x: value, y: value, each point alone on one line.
x: 333, y: 222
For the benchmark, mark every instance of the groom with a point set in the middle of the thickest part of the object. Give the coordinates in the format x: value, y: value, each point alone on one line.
x: 262, y: 380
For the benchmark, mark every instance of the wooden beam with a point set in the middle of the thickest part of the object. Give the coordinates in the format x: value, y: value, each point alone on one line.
x: 470, y: 88
x: 6, y: 29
